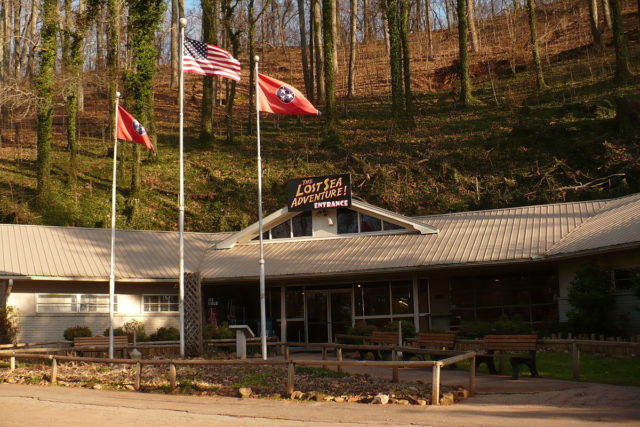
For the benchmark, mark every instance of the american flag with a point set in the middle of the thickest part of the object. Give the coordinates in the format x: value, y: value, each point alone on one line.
x: 208, y: 60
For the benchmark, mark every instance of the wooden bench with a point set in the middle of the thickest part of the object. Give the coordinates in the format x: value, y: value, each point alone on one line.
x: 100, y: 344
x: 435, y: 341
x: 511, y: 344
x: 384, y: 338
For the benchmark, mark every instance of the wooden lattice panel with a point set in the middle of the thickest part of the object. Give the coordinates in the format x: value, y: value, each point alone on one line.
x: 192, y: 315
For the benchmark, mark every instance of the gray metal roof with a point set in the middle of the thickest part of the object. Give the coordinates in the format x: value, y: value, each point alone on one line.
x: 479, y: 237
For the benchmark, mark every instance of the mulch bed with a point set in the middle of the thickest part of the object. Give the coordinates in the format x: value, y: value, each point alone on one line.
x: 255, y: 381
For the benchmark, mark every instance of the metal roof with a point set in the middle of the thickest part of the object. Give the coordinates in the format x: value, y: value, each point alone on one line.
x: 479, y: 237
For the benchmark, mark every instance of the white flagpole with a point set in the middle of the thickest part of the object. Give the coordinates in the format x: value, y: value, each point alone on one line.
x: 263, y: 314
x: 183, y: 23
x: 112, y: 273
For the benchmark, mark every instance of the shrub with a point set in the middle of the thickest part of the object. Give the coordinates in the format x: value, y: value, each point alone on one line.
x: 592, y: 300
x: 361, y: 328
x: 218, y: 332
x: 165, y: 334
x: 8, y: 325
x: 135, y: 327
x: 77, y: 332
x: 408, y: 328
x: 117, y: 332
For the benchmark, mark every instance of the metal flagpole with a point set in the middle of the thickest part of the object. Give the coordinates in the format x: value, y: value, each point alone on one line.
x: 183, y: 23
x: 112, y: 274
x: 263, y: 314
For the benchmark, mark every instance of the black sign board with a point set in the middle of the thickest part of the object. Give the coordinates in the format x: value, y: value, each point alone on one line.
x: 319, y: 192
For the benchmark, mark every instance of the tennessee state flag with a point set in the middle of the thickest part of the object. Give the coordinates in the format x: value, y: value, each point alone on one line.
x: 129, y: 129
x: 278, y: 97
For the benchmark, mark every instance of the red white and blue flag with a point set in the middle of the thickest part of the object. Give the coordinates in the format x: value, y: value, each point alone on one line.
x: 209, y: 60
x: 129, y: 129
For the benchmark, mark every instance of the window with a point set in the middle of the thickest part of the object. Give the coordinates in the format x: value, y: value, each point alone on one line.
x: 379, y: 303
x: 298, y: 226
x: 74, y: 303
x: 623, y: 280
x: 160, y: 303
x: 355, y: 222
x: 281, y: 231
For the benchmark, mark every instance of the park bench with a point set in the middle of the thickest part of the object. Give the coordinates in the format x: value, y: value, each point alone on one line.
x: 384, y: 338
x: 100, y: 344
x: 435, y: 342
x: 517, y: 344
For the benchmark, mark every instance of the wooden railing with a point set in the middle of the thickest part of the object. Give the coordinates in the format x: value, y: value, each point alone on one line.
x: 289, y: 363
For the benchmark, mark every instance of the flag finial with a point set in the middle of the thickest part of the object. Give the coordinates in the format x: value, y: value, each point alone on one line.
x: 256, y: 58
x: 183, y: 22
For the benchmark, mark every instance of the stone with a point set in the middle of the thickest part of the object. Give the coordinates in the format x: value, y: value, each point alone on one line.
x: 338, y: 399
x: 354, y: 399
x: 129, y: 387
x: 296, y: 395
x: 421, y: 402
x: 402, y: 402
x: 381, y: 399
x: 276, y: 396
x: 245, y: 391
x: 97, y: 387
x: 447, y: 399
x: 462, y: 393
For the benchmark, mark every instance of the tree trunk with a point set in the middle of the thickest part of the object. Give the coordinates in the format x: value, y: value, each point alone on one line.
x: 209, y: 35
x: 6, y: 38
x: 367, y: 30
x: 593, y: 21
x: 33, y: 37
x: 44, y: 83
x: 312, y: 53
x: 534, y: 45
x: 175, y: 40
x: 623, y: 73
x: 427, y: 12
x: 406, y: 62
x: 329, y: 71
x: 352, y: 48
x: 319, y: 49
x: 473, y: 32
x: 113, y: 57
x: 303, y: 49
x: 334, y: 34
x: 385, y: 27
x: 466, y: 97
x: 395, y: 60
x: 606, y: 9
x: 233, y: 38
x: 17, y: 39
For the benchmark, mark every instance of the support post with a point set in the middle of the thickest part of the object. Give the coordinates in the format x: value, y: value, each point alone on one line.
x: 291, y: 377
x: 339, y: 357
x: 324, y: 356
x: 172, y: 375
x: 287, y: 356
x: 435, y: 384
x: 54, y: 371
x: 472, y: 376
x: 395, y: 372
x: 575, y: 357
x: 12, y: 363
x: 138, y: 376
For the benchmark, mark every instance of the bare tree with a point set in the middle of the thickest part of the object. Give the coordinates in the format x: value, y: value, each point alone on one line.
x: 534, y: 45
x: 623, y: 73
x: 318, y: 49
x: 596, y: 33
x: 473, y: 32
x: 352, y: 47
x: 308, y: 83
x: 606, y: 8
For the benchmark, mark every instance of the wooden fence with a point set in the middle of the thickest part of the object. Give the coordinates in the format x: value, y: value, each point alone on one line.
x: 172, y: 364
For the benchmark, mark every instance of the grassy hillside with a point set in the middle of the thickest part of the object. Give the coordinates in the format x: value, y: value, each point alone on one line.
x: 518, y: 148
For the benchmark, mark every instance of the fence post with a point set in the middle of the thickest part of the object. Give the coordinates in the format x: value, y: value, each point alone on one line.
x: 138, y: 375
x: 54, y: 371
x: 324, y: 356
x: 472, y: 376
x: 395, y: 372
x: 339, y: 357
x: 291, y: 377
x: 286, y: 352
x: 172, y: 375
x: 12, y: 363
x: 435, y: 384
x: 575, y: 353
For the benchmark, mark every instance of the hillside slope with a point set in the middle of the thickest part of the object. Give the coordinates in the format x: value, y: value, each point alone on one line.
x: 518, y: 148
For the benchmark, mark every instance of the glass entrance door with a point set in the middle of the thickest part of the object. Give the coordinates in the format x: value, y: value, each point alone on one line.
x: 328, y: 314
x: 317, y: 317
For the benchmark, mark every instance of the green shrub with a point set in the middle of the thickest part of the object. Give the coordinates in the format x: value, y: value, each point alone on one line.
x: 592, y: 300
x: 77, y: 332
x: 165, y: 334
x: 8, y: 325
x: 361, y: 328
x: 135, y: 327
x: 117, y: 332
x: 408, y: 328
x: 218, y: 332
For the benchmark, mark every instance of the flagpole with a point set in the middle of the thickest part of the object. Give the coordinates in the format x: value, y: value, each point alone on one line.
x: 263, y: 314
x: 112, y: 273
x: 183, y: 23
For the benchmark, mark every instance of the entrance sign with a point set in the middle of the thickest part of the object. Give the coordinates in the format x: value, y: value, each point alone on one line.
x: 319, y: 192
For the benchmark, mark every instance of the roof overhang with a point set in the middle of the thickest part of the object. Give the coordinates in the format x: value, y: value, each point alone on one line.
x: 252, y: 231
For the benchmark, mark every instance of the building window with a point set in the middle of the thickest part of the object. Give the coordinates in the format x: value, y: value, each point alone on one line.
x: 379, y: 303
x: 74, y: 303
x: 160, y: 303
x: 298, y: 226
x: 350, y: 222
x: 623, y: 280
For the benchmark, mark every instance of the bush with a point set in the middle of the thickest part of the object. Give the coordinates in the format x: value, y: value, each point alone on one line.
x: 408, y: 329
x: 505, y: 325
x: 361, y: 328
x: 218, y: 332
x: 165, y: 334
x: 135, y: 327
x: 77, y: 332
x: 8, y: 325
x: 592, y: 300
x: 117, y: 332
